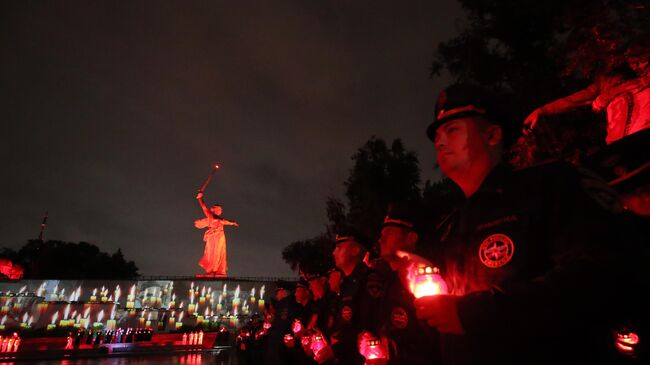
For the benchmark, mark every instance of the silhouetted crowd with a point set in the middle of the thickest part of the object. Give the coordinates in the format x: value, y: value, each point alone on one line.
x: 535, y: 266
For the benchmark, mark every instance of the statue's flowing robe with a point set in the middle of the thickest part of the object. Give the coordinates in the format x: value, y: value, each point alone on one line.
x: 214, y: 254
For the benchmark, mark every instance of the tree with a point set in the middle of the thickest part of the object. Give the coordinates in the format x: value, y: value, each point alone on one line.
x: 538, y: 51
x: 68, y: 260
x: 380, y: 175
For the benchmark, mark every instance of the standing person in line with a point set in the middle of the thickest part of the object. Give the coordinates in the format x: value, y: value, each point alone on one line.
x: 540, y: 265
x: 214, y: 254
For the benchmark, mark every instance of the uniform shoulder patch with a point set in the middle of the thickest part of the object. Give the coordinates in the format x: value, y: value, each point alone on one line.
x: 346, y: 313
x: 496, y: 250
x: 399, y: 318
x: 375, y: 285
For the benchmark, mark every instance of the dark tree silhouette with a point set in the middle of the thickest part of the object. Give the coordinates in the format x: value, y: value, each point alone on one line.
x: 68, y: 260
x: 380, y: 175
x: 538, y: 51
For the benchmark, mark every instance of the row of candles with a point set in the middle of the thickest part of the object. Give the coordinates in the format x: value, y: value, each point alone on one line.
x: 83, y: 320
x: 150, y: 299
x: 202, y: 308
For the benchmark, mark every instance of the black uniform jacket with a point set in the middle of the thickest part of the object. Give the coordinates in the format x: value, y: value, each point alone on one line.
x: 545, y: 267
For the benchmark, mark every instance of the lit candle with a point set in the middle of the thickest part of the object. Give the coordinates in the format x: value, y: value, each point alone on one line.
x: 179, y: 324
x: 172, y: 320
x: 66, y: 313
x: 54, y: 297
x: 148, y: 323
x: 104, y: 293
x: 116, y: 293
x: 24, y: 323
x: 130, y: 299
x: 99, y: 323
x: 52, y: 324
x: 260, y: 303
x: 78, y: 321
x: 202, y: 297
x: 93, y: 297
x: 111, y: 323
x: 3, y: 321
x: 173, y: 302
x: 236, y: 301
x: 317, y: 343
x: 426, y: 281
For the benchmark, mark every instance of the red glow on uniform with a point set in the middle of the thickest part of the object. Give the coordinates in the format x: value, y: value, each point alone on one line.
x: 426, y: 281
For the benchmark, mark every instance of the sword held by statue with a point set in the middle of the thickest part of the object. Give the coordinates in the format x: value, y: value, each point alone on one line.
x: 214, y: 169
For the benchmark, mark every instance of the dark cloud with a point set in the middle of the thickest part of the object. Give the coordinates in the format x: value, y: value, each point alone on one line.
x: 112, y: 113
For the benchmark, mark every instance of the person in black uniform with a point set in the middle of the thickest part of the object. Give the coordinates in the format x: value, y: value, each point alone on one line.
x: 410, y: 340
x: 538, y: 264
x: 361, y: 289
x: 285, y: 312
x: 325, y: 302
x: 305, y: 310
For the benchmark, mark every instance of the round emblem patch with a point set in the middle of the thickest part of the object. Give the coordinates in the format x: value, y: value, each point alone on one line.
x: 496, y: 250
x: 399, y: 318
x: 346, y: 313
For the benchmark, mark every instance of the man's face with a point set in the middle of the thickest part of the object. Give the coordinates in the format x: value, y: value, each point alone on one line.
x: 458, y: 143
x: 280, y: 294
x: 317, y: 286
x: 302, y: 294
x: 345, y: 253
x: 392, y: 239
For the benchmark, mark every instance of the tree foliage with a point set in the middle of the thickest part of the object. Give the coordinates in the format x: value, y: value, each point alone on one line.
x: 68, y: 260
x: 381, y: 174
x: 538, y: 51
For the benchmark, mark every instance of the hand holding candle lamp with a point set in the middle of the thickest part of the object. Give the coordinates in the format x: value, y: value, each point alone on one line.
x: 296, y: 327
x: 432, y: 303
x: 289, y: 341
x: 420, y: 276
x: 373, y: 349
x: 322, y: 351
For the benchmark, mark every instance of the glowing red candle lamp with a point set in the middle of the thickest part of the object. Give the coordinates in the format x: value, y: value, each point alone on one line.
x: 297, y: 326
x: 427, y: 281
x: 374, y: 350
x: 288, y: 340
x: 626, y: 342
x: 317, y: 343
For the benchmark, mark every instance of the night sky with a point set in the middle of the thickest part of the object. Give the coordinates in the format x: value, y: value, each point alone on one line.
x: 113, y: 112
